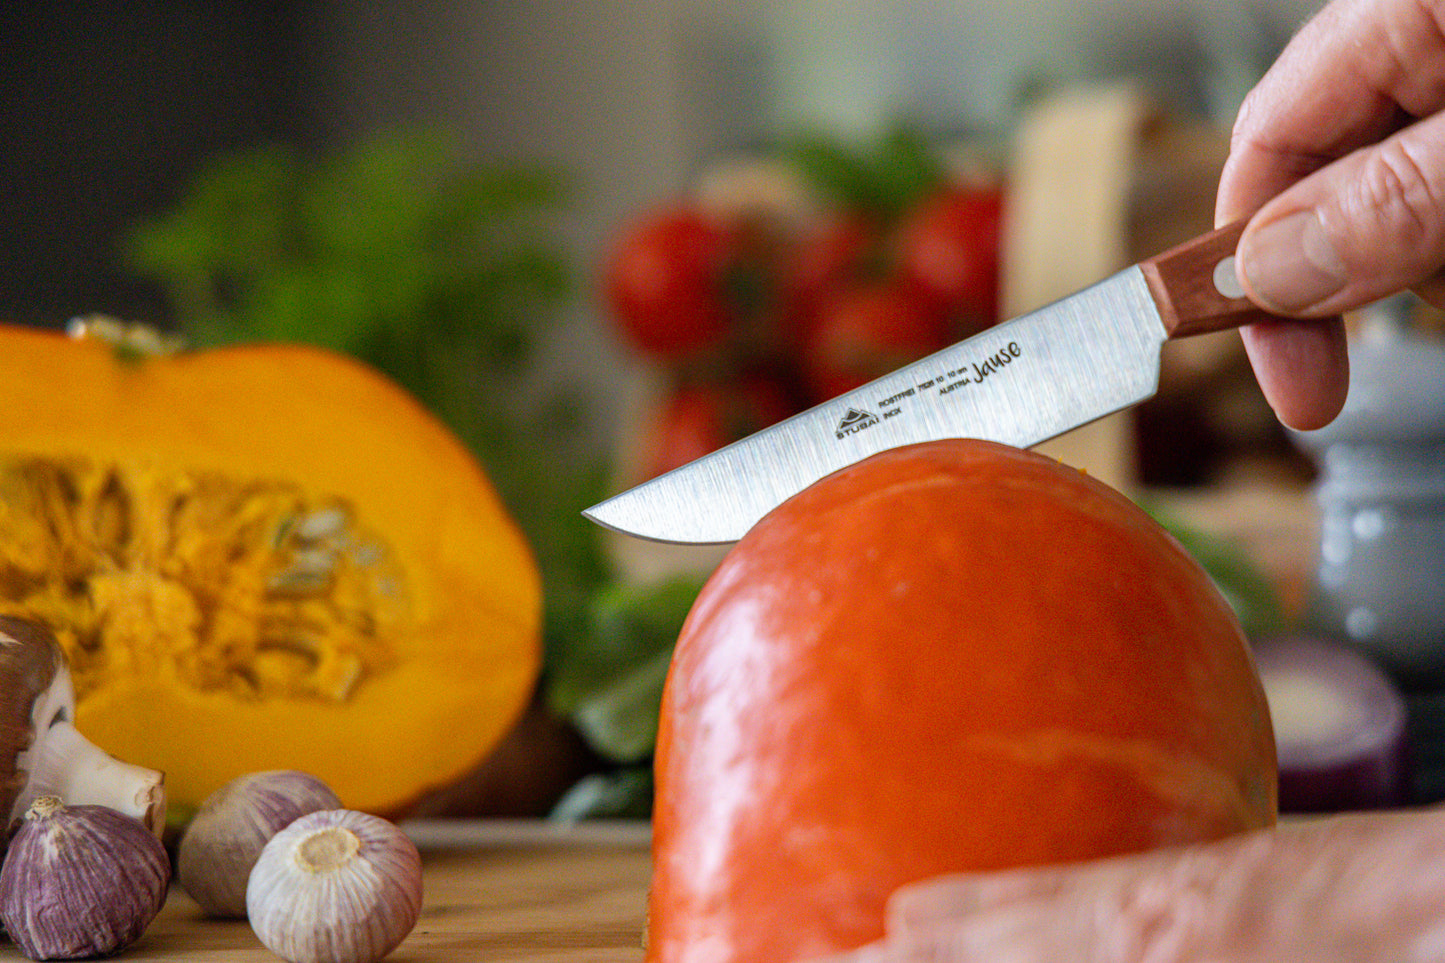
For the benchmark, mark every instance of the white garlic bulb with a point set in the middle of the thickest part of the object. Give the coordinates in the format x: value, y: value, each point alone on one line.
x: 224, y: 838
x: 336, y: 886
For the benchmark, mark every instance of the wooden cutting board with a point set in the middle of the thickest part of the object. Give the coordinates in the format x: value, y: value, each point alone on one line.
x: 494, y: 891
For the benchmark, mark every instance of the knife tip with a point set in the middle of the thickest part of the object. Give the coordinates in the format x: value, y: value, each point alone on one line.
x: 591, y: 514
x: 598, y: 513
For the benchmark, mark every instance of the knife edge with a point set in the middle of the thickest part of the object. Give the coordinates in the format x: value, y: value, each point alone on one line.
x: 1020, y: 382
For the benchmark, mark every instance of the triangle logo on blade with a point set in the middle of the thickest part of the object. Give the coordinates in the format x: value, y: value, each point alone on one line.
x: 855, y: 421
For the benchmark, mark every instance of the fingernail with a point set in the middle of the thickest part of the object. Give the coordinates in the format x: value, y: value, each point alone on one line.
x: 1290, y: 264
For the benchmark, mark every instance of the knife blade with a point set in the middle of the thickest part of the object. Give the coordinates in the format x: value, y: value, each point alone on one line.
x: 1020, y: 382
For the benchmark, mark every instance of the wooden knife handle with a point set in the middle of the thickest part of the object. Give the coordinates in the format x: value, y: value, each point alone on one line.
x: 1195, y: 287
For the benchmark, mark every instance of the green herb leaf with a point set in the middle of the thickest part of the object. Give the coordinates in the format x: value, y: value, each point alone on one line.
x: 881, y: 180
x: 620, y: 719
x: 622, y: 794
x: 626, y: 628
x: 1254, y: 598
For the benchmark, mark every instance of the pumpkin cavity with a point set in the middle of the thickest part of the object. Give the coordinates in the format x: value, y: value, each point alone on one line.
x: 249, y: 586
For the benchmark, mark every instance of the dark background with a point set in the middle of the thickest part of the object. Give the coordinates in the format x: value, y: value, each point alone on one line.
x: 106, y: 112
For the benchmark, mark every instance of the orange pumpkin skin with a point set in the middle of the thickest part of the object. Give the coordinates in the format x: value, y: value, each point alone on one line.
x: 953, y: 656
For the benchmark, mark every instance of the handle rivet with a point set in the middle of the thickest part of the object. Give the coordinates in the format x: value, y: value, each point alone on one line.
x: 1226, y: 282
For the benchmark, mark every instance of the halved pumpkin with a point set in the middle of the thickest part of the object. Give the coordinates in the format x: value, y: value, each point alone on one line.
x: 261, y: 557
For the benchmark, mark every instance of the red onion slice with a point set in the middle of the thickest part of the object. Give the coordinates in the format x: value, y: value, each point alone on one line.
x: 1339, y: 727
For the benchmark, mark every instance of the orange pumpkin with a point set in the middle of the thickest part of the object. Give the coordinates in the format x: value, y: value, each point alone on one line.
x: 952, y: 656
x: 262, y: 557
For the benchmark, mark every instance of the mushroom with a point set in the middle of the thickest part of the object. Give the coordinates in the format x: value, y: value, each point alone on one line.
x: 42, y: 753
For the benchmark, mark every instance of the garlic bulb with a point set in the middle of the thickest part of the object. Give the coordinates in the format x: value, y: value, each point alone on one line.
x: 226, y: 835
x: 80, y: 881
x: 335, y: 886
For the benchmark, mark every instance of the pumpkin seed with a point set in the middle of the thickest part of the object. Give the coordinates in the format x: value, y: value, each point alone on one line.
x: 282, y: 531
x: 299, y: 581
x: 246, y: 585
x: 327, y: 522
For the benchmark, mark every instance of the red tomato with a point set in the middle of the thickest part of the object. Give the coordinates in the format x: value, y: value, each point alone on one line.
x: 696, y: 420
x: 829, y: 256
x: 667, y: 282
x: 868, y: 331
x: 949, y: 248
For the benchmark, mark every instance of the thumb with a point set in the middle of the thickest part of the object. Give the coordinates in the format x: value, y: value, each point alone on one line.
x: 1368, y: 225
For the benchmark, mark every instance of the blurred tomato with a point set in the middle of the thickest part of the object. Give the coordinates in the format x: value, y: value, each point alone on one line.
x: 949, y: 247
x: 827, y: 256
x: 867, y: 331
x: 667, y: 280
x: 698, y: 419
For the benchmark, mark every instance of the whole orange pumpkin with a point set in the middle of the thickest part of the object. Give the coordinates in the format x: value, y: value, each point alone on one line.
x: 951, y: 656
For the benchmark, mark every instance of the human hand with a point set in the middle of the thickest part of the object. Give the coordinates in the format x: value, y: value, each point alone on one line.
x: 1353, y: 887
x: 1339, y: 155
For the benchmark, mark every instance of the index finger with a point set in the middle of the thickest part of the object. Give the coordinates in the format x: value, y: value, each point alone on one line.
x: 1354, y: 74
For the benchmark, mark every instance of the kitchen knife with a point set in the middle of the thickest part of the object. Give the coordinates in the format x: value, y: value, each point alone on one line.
x: 1019, y: 382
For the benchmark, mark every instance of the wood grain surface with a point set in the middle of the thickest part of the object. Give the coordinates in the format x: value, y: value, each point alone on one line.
x: 500, y: 892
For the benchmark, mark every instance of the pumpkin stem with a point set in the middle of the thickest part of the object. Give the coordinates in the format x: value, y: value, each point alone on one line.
x: 130, y: 340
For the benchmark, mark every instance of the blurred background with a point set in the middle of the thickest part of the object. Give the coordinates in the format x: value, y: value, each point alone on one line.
x: 111, y: 109
x: 156, y: 157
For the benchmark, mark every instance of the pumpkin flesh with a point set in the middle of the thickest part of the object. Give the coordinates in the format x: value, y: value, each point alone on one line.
x: 262, y: 557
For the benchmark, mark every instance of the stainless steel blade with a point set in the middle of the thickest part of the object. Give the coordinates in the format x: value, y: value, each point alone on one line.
x: 1020, y: 382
